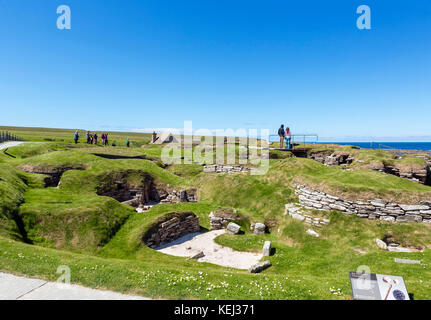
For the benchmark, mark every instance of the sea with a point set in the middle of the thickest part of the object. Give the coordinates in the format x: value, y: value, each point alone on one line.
x: 426, y: 146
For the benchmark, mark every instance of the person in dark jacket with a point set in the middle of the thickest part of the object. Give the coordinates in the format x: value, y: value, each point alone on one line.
x: 76, y: 136
x: 281, y: 134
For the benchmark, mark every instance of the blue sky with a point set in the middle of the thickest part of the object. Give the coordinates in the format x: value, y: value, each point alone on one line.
x: 140, y: 64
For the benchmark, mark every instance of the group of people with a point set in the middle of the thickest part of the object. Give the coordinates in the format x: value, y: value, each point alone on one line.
x: 92, y: 138
x: 285, y: 137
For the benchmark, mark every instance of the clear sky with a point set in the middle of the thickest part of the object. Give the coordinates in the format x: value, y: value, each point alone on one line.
x: 136, y: 64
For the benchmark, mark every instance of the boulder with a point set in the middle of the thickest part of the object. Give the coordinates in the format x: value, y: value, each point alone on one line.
x: 266, y: 251
x: 259, y: 267
x: 233, y: 228
x: 259, y: 228
x: 381, y: 244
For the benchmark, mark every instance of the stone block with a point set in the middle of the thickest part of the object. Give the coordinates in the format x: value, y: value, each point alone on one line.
x: 266, y: 251
x: 259, y: 267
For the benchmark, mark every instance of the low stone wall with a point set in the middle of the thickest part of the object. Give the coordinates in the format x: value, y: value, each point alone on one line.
x: 173, y: 227
x: 371, y: 209
x: 218, y: 168
x: 337, y: 158
x: 176, y: 196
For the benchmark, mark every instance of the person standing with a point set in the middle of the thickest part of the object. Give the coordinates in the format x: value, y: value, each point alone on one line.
x: 127, y: 143
x: 95, y: 138
x: 281, y: 135
x: 106, y: 139
x: 88, y: 137
x: 76, y: 136
x: 288, y: 138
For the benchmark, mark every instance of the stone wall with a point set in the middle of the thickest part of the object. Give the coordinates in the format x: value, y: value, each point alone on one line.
x: 420, y: 175
x: 175, y: 196
x: 371, y: 209
x: 174, y: 226
x: 332, y: 158
x: 218, y: 168
x: 339, y: 158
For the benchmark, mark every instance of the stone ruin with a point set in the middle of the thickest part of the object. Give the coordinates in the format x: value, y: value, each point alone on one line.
x: 53, y: 174
x: 371, y: 209
x: 170, y: 228
x: 218, y: 168
x: 336, y: 158
x: 143, y: 195
x: 339, y: 158
x: 422, y: 175
x: 221, y: 217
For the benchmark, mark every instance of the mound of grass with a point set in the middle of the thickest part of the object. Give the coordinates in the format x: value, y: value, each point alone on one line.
x: 59, y: 219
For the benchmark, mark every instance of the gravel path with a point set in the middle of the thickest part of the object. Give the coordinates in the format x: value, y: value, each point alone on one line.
x: 194, y: 243
x: 20, y: 288
x: 9, y: 144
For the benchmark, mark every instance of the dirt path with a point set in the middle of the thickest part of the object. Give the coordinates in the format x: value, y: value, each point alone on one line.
x: 194, y: 243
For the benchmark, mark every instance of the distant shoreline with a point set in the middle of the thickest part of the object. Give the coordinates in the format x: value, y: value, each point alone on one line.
x: 396, y: 147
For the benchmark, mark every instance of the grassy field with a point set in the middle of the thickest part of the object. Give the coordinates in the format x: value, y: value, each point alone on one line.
x: 100, y: 239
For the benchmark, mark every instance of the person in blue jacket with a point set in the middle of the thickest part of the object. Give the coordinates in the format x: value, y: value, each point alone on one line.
x: 127, y: 143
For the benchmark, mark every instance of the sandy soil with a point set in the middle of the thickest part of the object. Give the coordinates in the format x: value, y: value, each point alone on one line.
x: 193, y: 243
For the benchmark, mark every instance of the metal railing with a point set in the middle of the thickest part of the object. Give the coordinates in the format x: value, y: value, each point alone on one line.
x: 6, y: 136
x: 297, y: 139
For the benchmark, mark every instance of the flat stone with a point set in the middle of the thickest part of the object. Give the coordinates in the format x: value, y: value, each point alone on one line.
x: 337, y: 207
x: 313, y: 233
x: 399, y: 260
x: 259, y: 267
x: 297, y: 216
x: 198, y: 255
x: 233, y: 228
x: 266, y: 251
x: 381, y: 244
x: 387, y: 218
x: 409, y: 218
x: 401, y: 249
x: 378, y: 204
x: 406, y: 207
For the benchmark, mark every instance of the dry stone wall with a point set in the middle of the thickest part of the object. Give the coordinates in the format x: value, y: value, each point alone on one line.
x: 371, y: 209
x: 217, y: 168
x: 172, y: 228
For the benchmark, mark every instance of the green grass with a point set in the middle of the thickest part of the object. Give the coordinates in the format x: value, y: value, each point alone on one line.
x: 101, y: 239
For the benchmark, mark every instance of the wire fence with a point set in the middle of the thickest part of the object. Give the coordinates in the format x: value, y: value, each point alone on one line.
x: 297, y: 140
x: 6, y: 136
